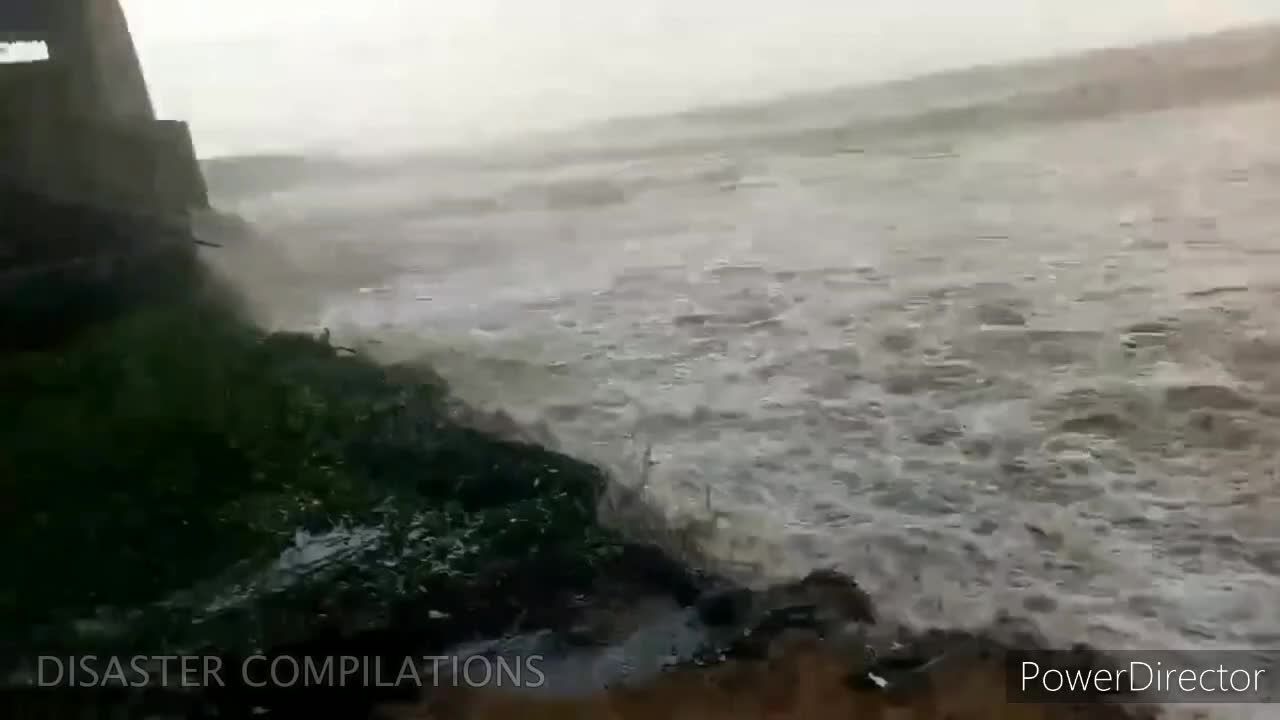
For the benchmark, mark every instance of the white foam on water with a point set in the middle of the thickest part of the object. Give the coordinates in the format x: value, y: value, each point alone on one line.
x: 988, y: 381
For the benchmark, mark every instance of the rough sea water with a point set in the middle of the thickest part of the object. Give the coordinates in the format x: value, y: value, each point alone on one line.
x: 1031, y: 369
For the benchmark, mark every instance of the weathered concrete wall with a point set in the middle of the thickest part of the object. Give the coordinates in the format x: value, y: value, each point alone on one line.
x: 81, y: 127
x: 96, y: 40
x: 35, y: 90
x: 93, y: 37
x: 147, y: 168
x: 25, y: 19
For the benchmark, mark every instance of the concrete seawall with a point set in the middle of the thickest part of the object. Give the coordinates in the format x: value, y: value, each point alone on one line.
x: 80, y: 127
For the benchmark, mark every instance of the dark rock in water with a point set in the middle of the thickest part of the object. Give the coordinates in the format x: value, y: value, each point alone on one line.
x: 824, y: 597
x: 724, y: 608
x: 830, y: 591
x: 651, y: 567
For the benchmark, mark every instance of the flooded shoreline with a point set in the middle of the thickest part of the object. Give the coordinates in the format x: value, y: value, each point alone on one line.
x: 1026, y: 371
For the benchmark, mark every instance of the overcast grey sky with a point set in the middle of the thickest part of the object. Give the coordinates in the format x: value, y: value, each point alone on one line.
x: 252, y: 75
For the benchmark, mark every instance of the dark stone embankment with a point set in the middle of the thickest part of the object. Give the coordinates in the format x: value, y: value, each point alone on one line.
x: 173, y: 479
